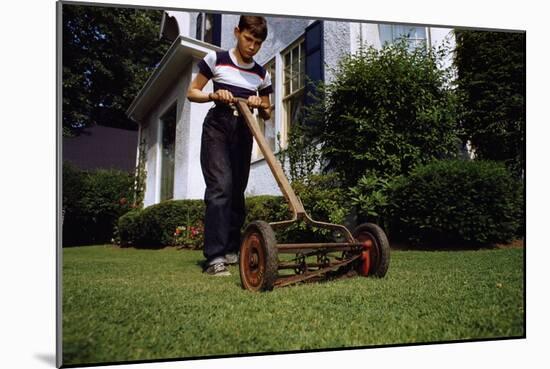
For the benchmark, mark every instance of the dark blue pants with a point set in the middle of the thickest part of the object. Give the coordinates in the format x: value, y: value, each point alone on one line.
x: 226, y: 147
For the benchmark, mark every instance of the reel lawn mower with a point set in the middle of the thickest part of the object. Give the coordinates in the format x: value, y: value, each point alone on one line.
x: 365, y: 251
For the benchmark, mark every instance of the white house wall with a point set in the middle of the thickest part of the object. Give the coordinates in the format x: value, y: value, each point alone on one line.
x: 188, y: 180
x: 337, y: 44
x: 149, y: 133
x: 442, y: 36
x: 194, y: 120
x: 183, y: 128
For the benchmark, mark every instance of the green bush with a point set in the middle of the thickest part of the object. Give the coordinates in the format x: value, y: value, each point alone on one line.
x: 159, y: 222
x: 74, y: 221
x: 267, y: 208
x: 163, y: 224
x: 324, y: 200
x: 491, y: 77
x: 385, y: 112
x: 92, y: 203
x: 467, y: 202
x: 371, y: 199
x: 129, y: 228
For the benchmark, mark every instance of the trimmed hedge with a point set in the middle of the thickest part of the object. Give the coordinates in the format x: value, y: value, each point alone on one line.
x: 154, y: 226
x: 450, y: 202
x: 267, y: 208
x: 443, y: 203
x: 93, y: 201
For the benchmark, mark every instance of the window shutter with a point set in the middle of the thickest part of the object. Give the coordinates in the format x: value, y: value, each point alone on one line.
x: 314, y: 50
x: 217, y: 29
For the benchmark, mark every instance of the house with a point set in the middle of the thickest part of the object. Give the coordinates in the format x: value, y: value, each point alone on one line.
x: 295, y: 50
x: 102, y: 147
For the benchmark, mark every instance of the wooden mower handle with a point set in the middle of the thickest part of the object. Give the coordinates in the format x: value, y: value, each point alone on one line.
x: 237, y: 99
x: 295, y: 204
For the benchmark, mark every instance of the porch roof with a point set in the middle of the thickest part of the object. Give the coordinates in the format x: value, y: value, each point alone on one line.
x: 182, y: 51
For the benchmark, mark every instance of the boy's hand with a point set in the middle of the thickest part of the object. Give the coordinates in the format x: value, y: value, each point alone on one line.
x: 223, y: 96
x: 254, y: 102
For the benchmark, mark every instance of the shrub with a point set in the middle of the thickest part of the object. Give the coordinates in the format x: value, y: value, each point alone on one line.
x: 473, y: 202
x: 129, y: 228
x: 93, y: 201
x: 324, y: 200
x: 267, y: 208
x: 385, y: 112
x: 491, y: 76
x: 190, y: 236
x: 74, y: 224
x: 160, y: 221
x: 371, y: 198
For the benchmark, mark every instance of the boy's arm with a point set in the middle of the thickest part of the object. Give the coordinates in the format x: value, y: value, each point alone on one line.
x: 195, y: 92
x: 265, y: 108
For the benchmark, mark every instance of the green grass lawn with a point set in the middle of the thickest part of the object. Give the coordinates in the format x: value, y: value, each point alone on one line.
x: 128, y: 304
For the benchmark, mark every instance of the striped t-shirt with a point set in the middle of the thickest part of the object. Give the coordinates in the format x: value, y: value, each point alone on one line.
x: 241, y: 80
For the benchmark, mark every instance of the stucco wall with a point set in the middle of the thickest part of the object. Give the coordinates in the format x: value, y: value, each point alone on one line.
x: 337, y: 43
x: 188, y: 180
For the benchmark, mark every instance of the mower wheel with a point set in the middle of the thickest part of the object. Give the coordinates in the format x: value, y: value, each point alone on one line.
x: 258, y: 262
x: 375, y: 258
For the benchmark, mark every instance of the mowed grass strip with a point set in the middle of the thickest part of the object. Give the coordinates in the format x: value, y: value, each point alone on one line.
x: 128, y: 304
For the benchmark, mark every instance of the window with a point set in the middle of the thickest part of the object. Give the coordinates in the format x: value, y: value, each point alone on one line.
x: 415, y: 36
x: 168, y: 145
x: 293, y: 87
x: 268, y: 126
x: 205, y: 27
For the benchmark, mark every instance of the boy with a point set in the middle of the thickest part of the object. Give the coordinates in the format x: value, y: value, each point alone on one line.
x: 226, y: 143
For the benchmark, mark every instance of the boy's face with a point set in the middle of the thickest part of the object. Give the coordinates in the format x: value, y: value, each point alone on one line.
x: 248, y: 44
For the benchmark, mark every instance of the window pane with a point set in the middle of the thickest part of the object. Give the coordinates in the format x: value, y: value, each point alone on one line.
x: 208, y: 28
x: 268, y: 129
x: 199, y: 27
x: 168, y: 122
x: 385, y: 31
x: 302, y: 66
x: 294, y: 107
x: 295, y: 79
x: 287, y: 60
x: 287, y: 81
x: 270, y: 67
x: 295, y: 55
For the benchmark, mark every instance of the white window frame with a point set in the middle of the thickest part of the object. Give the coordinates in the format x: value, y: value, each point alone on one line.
x: 278, y: 101
x: 412, y: 41
x: 160, y: 131
x: 256, y: 152
x: 285, y: 124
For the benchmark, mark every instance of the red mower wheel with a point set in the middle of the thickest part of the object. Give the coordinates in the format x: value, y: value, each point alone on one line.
x: 375, y: 258
x: 258, y: 262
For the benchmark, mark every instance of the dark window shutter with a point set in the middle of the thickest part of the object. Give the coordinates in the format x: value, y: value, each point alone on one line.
x: 217, y: 29
x: 314, y: 50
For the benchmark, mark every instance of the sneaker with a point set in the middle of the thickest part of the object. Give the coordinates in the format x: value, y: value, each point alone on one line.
x: 218, y: 269
x: 231, y: 258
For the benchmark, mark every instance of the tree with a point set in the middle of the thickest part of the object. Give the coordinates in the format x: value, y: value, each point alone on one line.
x: 491, y: 77
x: 386, y: 111
x: 108, y: 54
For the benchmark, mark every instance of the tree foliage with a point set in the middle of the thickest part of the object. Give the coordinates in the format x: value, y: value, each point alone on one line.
x: 108, y: 54
x: 386, y: 111
x: 491, y: 71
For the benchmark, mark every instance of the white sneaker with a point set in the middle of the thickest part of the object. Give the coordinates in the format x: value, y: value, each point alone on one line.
x: 218, y: 269
x: 231, y: 258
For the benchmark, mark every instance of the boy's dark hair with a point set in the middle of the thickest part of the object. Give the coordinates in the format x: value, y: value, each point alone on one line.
x: 255, y: 25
